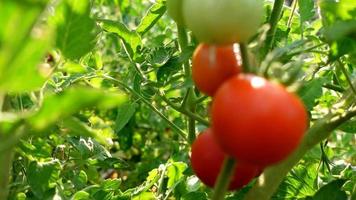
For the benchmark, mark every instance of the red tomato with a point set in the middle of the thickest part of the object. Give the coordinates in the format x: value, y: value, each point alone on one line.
x: 257, y: 121
x: 207, y: 159
x: 212, y: 65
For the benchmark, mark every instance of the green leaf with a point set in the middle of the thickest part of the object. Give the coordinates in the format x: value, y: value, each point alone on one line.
x: 349, y: 126
x: 76, y: 31
x: 60, y: 106
x: 175, y: 173
x: 299, y: 183
x: 75, y: 127
x: 124, y: 114
x: 131, y: 39
x: 195, y: 196
x: 306, y: 10
x: 310, y: 92
x: 151, y: 17
x: 340, y: 29
x: 22, y: 45
x: 331, y: 191
x: 81, y: 195
x: 42, y: 177
x: 80, y: 179
x: 111, y: 184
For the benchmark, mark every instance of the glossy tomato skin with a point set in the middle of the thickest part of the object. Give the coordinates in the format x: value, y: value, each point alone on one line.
x: 223, y: 21
x: 207, y: 159
x: 257, y: 121
x: 174, y: 9
x: 212, y: 65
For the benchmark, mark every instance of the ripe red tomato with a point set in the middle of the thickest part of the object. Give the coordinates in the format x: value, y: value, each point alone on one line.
x: 207, y: 159
x: 257, y: 121
x: 212, y: 65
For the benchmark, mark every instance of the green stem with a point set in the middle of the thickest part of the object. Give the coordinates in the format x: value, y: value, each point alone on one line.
x: 183, y: 43
x: 273, y: 21
x: 346, y: 74
x: 6, y: 161
x: 191, y: 106
x: 222, y: 184
x: 245, y: 59
x: 2, y: 100
x: 294, y: 7
x: 191, y: 121
x: 184, y: 111
x: 149, y: 104
x: 270, y: 180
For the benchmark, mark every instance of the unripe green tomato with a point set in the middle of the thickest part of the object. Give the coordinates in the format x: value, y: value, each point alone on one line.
x: 223, y: 21
x: 174, y: 9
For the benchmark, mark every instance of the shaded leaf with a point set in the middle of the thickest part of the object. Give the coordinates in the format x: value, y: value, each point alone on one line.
x: 43, y: 176
x: 331, y: 191
x: 124, y: 114
x: 310, y: 92
x: 349, y: 126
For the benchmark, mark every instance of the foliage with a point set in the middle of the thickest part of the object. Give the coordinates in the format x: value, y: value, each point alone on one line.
x: 97, y: 102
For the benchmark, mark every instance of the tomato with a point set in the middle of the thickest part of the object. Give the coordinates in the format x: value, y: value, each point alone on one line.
x: 223, y: 21
x: 207, y: 160
x: 174, y: 9
x: 212, y: 65
x: 257, y: 121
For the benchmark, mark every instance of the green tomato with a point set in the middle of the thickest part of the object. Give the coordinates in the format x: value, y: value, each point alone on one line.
x: 174, y: 9
x: 223, y: 21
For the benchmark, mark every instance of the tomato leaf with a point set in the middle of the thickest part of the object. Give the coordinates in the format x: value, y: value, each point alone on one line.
x: 42, y: 177
x: 331, y: 191
x: 57, y: 107
x: 151, y: 17
x: 131, y: 39
x: 76, y: 30
x: 22, y: 46
x: 310, y: 92
x: 124, y: 114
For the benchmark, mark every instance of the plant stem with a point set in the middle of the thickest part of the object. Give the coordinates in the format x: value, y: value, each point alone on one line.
x: 191, y: 121
x: 6, y: 161
x: 2, y: 100
x: 222, y: 184
x: 294, y: 7
x: 149, y: 104
x: 245, y: 59
x: 183, y: 43
x: 273, y: 21
x: 270, y: 180
x: 190, y: 106
x: 346, y: 74
x: 184, y: 111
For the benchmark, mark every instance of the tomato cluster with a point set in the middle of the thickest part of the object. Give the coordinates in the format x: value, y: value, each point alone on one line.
x: 255, y: 121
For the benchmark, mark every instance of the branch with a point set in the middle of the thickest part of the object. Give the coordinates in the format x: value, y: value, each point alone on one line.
x: 149, y: 104
x: 6, y: 162
x: 270, y: 180
x: 275, y: 16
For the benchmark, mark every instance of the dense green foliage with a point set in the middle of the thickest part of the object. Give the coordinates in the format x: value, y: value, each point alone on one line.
x: 97, y: 100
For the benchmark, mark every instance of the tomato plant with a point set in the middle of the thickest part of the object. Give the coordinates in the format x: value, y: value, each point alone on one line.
x: 257, y: 121
x: 99, y: 99
x: 224, y: 21
x: 207, y: 160
x: 212, y: 65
